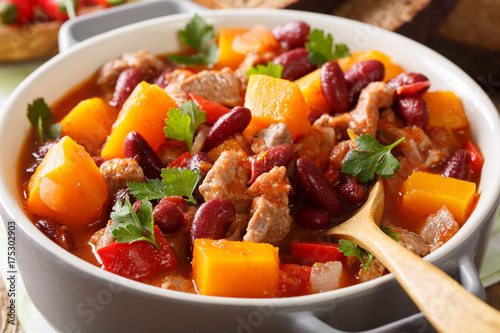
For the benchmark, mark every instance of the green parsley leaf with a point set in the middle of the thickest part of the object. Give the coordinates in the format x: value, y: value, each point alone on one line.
x: 393, y: 235
x: 199, y: 35
x: 151, y: 190
x: 321, y: 48
x: 181, y: 182
x: 370, y: 158
x: 38, y: 112
x: 129, y: 226
x: 271, y: 69
x: 183, y: 122
x: 350, y: 248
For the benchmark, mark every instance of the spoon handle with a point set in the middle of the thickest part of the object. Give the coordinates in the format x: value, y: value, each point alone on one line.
x: 447, y: 305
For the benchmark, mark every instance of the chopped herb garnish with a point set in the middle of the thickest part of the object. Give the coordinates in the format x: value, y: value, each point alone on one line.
x: 321, y: 48
x: 271, y: 69
x: 371, y: 157
x: 38, y: 113
x: 350, y: 248
x: 150, y: 190
x: 183, y: 122
x: 129, y: 226
x: 200, y: 36
x: 180, y: 182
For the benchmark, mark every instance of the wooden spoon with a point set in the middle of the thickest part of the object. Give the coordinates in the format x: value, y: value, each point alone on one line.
x: 446, y: 304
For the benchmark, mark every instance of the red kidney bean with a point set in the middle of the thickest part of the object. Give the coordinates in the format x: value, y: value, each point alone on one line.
x: 413, y: 109
x: 127, y: 80
x: 121, y: 195
x: 58, y: 233
x: 227, y: 125
x: 212, y: 219
x: 98, y: 160
x: 136, y: 147
x: 201, y: 161
x: 295, y: 64
x: 318, y: 190
x: 352, y: 192
x: 409, y: 83
x: 161, y: 81
x: 360, y: 75
x: 334, y: 87
x: 168, y: 216
x: 458, y: 166
x: 275, y: 156
x: 292, y: 34
x: 179, y: 201
x: 311, y: 218
x: 137, y: 206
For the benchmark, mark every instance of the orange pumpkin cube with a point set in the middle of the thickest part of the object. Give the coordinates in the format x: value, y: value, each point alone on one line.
x: 272, y: 100
x: 259, y: 39
x: 445, y: 110
x: 145, y: 112
x: 235, y: 269
x: 310, y: 85
x: 67, y: 186
x: 228, y: 57
x: 89, y: 123
x: 426, y: 193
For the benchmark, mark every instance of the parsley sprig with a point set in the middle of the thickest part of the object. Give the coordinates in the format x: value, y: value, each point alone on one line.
x: 39, y: 115
x: 350, y: 248
x: 183, y: 122
x: 271, y: 69
x: 175, y: 182
x: 200, y: 36
x: 322, y: 49
x: 129, y: 226
x: 371, y: 157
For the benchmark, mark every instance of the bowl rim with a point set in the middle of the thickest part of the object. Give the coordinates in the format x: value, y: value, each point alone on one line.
x: 17, y: 215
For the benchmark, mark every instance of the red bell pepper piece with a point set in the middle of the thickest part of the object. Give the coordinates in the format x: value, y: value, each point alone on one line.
x: 16, y: 11
x: 293, y: 280
x: 317, y: 252
x: 138, y: 260
x: 56, y: 9
x: 212, y: 109
x: 476, y: 158
x: 181, y: 161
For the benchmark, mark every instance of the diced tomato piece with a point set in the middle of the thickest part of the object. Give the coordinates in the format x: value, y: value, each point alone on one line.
x: 317, y: 252
x: 181, y: 161
x: 212, y: 109
x: 476, y: 158
x: 293, y: 280
x: 138, y: 260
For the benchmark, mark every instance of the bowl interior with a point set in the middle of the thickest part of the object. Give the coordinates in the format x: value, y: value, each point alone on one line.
x: 67, y: 70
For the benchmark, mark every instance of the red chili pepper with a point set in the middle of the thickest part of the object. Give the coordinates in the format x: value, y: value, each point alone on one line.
x: 476, y: 158
x: 57, y: 9
x: 317, y: 252
x: 108, y: 3
x: 16, y: 11
x: 181, y: 161
x: 294, y: 280
x: 138, y: 260
x: 212, y: 109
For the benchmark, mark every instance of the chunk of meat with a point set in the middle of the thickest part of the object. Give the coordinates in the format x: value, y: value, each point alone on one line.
x: 177, y: 94
x: 375, y: 270
x: 255, y: 58
x: 272, y: 185
x: 409, y: 240
x: 102, y: 237
x: 339, y: 153
x: 170, y: 150
x: 268, y: 224
x: 439, y: 228
x: 274, y: 135
x: 150, y: 65
x: 178, y: 283
x: 119, y: 171
x: 418, y: 148
x: 365, y: 116
x: 228, y: 178
x: 238, y: 228
x: 316, y: 145
x: 225, y: 87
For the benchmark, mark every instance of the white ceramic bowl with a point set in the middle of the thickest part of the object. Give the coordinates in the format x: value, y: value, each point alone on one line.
x: 78, y: 297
